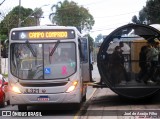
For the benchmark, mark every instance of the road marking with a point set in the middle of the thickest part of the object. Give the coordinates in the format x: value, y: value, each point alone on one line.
x: 76, y: 115
x: 92, y: 94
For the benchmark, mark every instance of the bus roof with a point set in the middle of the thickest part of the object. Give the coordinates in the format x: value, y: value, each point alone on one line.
x: 157, y: 26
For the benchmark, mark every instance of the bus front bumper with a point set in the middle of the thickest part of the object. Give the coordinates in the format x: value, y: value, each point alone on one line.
x: 72, y: 97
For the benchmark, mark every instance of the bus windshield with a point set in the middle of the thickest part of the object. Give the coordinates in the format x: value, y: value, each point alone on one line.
x: 61, y: 64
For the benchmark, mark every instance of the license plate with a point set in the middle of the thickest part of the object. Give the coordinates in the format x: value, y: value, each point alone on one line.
x: 43, y: 98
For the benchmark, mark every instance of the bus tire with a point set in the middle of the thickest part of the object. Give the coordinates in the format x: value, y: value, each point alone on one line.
x: 22, y: 108
x: 84, y: 98
x: 77, y: 106
x: 8, y: 102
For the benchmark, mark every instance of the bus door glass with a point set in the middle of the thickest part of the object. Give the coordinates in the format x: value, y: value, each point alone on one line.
x: 86, y: 72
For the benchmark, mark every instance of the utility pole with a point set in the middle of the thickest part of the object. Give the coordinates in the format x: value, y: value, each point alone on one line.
x: 19, y: 13
x: 31, y: 15
x: 37, y: 20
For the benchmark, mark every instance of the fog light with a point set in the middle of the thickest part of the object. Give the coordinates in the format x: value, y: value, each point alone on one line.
x: 72, y: 87
x: 16, y: 89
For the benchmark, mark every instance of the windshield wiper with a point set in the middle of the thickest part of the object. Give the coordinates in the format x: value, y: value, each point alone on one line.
x: 31, y: 49
x: 54, y: 48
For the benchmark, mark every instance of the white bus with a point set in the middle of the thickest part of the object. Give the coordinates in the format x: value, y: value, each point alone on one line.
x: 48, y: 64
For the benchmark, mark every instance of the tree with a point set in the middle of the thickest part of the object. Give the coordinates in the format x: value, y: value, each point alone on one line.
x: 142, y: 15
x: 29, y: 17
x: 150, y: 13
x: 98, y: 38
x: 4, y: 49
x: 37, y: 14
x: 11, y: 20
x: 135, y: 19
x: 90, y: 39
x: 70, y: 14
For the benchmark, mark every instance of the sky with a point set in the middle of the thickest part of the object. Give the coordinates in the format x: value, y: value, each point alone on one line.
x: 108, y: 14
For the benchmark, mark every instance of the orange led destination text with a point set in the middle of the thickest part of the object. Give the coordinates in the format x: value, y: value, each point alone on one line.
x: 49, y: 34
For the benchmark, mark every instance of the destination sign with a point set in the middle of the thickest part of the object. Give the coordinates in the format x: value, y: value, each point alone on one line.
x: 50, y: 34
x: 42, y: 35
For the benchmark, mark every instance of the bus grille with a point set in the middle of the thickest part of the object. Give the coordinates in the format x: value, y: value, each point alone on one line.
x: 44, y: 85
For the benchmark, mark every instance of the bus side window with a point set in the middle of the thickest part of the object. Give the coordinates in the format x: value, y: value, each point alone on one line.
x: 84, y: 48
x: 80, y: 50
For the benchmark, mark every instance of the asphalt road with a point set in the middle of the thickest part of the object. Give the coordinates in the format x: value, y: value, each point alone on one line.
x: 50, y: 111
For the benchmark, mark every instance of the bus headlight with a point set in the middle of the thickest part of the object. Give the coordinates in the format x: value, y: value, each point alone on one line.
x: 72, y: 87
x: 16, y: 89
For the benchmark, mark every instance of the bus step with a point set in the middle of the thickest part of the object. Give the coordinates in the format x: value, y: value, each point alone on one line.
x: 96, y: 84
x: 100, y: 85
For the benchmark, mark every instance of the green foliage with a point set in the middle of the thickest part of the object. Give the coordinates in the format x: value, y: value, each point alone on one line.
x: 98, y: 38
x: 135, y: 19
x: 4, y: 48
x: 90, y: 39
x: 142, y: 15
x: 3, y: 37
x: 150, y: 12
x: 11, y: 19
x: 70, y: 14
x: 37, y: 14
x: 5, y: 75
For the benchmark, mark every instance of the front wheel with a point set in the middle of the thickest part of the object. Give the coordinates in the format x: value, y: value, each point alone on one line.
x: 22, y: 108
x: 77, y: 106
x: 8, y: 102
x: 84, y: 98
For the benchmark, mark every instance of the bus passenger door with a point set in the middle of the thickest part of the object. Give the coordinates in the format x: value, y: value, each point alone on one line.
x: 85, y: 60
